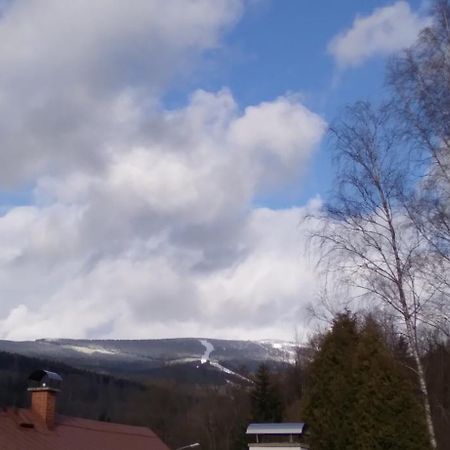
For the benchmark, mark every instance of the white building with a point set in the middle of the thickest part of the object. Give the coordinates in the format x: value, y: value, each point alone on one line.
x: 264, y: 436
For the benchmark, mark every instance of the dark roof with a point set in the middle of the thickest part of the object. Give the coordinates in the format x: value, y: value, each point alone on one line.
x: 276, y: 428
x: 21, y: 429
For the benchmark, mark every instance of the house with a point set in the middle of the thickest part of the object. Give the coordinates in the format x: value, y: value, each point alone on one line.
x: 276, y: 435
x: 41, y: 428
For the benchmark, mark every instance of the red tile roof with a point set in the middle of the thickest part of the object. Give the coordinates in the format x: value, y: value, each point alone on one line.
x: 21, y: 429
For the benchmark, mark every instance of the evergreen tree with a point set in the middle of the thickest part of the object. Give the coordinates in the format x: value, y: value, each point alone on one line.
x: 329, y: 395
x: 266, y: 403
x: 386, y: 414
x: 359, y: 398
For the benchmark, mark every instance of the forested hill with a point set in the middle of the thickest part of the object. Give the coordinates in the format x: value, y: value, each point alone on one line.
x: 204, y: 361
x: 167, y: 407
x: 203, y: 407
x: 84, y: 393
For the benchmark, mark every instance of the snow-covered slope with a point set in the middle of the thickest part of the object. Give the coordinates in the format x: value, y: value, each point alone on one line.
x: 159, y: 357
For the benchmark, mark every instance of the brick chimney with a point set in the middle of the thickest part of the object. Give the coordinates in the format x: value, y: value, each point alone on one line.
x: 43, y: 403
x: 44, y: 386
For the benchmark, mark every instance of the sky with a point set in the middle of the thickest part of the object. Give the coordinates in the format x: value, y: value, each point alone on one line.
x: 158, y: 157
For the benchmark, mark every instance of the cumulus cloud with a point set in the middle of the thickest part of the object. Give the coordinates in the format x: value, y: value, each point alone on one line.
x: 165, y: 237
x: 146, y: 292
x: 386, y: 31
x: 141, y: 222
x: 72, y: 73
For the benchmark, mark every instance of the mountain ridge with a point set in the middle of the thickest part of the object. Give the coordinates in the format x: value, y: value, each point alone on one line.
x: 220, y: 360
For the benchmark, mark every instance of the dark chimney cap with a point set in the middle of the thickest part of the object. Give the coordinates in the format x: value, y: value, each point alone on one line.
x: 44, y: 379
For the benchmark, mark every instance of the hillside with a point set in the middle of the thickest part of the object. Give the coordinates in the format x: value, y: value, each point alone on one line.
x: 191, y: 360
x: 164, y: 406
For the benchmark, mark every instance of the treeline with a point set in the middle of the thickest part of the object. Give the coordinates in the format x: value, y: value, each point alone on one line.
x: 84, y: 393
x: 359, y: 390
x: 179, y: 413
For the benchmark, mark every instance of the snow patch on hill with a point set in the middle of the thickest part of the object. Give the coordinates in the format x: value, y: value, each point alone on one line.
x: 209, y: 348
x: 90, y: 350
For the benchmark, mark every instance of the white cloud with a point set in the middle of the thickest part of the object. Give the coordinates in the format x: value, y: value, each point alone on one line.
x: 274, y: 147
x: 261, y: 294
x: 163, y: 239
x: 142, y: 223
x: 386, y: 31
x: 72, y: 73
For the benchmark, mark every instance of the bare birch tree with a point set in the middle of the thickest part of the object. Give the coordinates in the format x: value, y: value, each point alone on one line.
x: 366, y: 233
x: 420, y: 81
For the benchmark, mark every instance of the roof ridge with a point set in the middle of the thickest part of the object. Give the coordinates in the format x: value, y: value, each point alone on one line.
x: 150, y: 434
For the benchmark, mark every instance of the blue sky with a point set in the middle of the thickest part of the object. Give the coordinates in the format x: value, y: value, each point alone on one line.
x: 156, y: 160
x: 277, y: 48
x: 280, y: 47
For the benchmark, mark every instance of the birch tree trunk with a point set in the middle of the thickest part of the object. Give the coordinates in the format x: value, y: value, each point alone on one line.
x: 423, y: 389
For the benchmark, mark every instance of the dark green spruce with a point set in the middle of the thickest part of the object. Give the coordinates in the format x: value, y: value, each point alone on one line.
x: 266, y: 403
x: 359, y: 397
x: 330, y: 394
x: 387, y: 412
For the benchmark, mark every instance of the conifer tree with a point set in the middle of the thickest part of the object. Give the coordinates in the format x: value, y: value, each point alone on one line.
x: 358, y: 396
x: 329, y: 394
x: 387, y: 413
x: 266, y: 403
